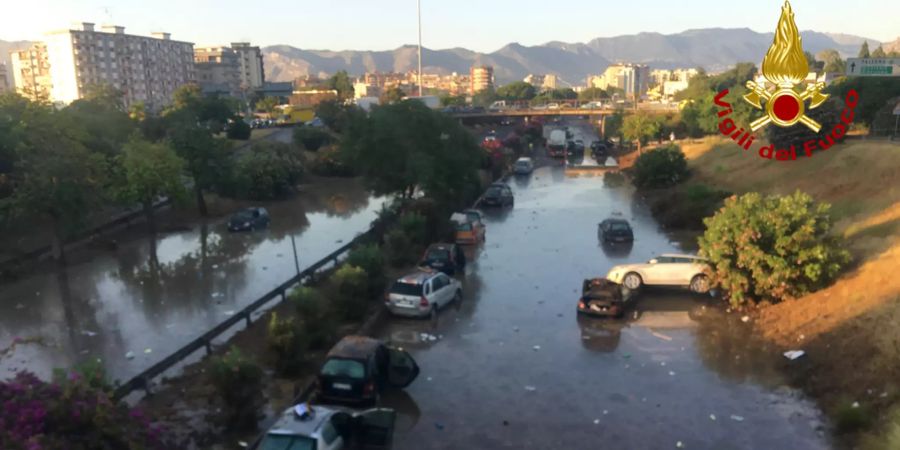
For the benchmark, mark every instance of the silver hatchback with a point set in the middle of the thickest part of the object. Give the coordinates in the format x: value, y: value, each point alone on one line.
x: 422, y: 294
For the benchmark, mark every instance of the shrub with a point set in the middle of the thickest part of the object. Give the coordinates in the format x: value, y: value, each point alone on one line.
x: 350, y: 284
x: 238, y: 381
x: 662, y: 167
x: 413, y: 225
x: 238, y: 129
x: 370, y: 259
x: 613, y: 179
x: 69, y: 413
x: 268, y: 170
x: 318, y: 320
x: 773, y: 247
x: 330, y: 163
x: 310, y: 138
x: 849, y: 418
x: 287, y: 341
x: 399, y: 249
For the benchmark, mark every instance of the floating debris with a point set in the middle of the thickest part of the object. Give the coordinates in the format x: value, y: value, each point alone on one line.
x: 129, y: 355
x: 661, y: 336
x: 712, y: 417
x: 793, y: 354
x: 737, y: 418
x: 536, y: 347
x: 745, y: 319
x: 530, y: 388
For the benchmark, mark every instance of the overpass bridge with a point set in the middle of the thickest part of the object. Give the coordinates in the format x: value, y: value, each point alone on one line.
x: 651, y: 108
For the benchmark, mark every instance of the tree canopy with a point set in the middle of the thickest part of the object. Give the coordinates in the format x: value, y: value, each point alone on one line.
x: 864, y: 50
x: 149, y: 171
x: 639, y: 127
x: 518, y: 90
x: 593, y: 93
x: 342, y: 83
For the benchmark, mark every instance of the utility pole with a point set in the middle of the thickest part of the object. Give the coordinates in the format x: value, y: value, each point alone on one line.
x: 419, y: 12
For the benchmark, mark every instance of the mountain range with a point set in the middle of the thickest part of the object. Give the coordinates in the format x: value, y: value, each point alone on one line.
x: 710, y: 48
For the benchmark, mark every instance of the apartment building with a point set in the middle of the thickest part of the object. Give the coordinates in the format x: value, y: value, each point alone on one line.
x: 4, y: 86
x: 480, y: 78
x: 634, y: 79
x: 31, y: 72
x: 542, y: 82
x: 218, y: 70
x: 68, y: 62
x: 250, y: 59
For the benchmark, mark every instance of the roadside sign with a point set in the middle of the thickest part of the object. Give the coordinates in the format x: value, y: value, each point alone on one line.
x: 873, y: 67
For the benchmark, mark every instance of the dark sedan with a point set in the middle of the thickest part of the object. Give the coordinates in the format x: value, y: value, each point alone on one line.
x: 498, y: 194
x: 615, y: 230
x: 448, y: 258
x: 249, y: 219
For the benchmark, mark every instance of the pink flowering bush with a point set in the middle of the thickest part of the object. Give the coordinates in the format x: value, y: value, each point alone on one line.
x: 71, y: 412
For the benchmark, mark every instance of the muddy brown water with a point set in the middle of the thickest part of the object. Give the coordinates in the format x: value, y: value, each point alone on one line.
x: 133, y: 306
x: 514, y: 366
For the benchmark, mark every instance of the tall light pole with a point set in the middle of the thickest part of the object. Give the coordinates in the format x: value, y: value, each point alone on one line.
x: 419, y: 12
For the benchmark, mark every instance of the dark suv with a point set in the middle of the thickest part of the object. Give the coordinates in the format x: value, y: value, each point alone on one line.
x: 358, y: 368
x: 249, y: 219
x: 615, y: 230
x: 499, y: 194
x: 447, y: 258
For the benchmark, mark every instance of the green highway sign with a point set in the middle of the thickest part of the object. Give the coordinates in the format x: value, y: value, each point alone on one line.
x: 873, y: 67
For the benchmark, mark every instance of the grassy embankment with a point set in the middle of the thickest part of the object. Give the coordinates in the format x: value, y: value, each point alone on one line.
x: 850, y: 329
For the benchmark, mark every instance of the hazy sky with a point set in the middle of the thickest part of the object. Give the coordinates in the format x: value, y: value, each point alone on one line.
x: 483, y: 25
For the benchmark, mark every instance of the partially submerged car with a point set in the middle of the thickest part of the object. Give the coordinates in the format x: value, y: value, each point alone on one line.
x: 249, y: 219
x: 615, y: 230
x: 358, y: 368
x: 601, y: 297
x: 422, y: 294
x: 665, y: 270
x: 305, y: 427
x: 523, y: 166
x: 447, y: 258
x: 469, y: 227
x: 498, y: 194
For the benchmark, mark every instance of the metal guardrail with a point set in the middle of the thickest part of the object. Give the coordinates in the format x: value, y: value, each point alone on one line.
x: 143, y: 379
x: 123, y: 219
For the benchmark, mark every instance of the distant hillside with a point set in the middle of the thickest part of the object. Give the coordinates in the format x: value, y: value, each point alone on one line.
x: 711, y: 48
x: 891, y: 46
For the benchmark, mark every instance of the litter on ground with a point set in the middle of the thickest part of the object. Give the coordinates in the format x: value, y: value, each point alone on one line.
x: 530, y: 388
x: 129, y: 355
x: 737, y: 418
x: 536, y: 347
x: 793, y: 354
x: 712, y: 417
x: 745, y: 319
x: 662, y: 336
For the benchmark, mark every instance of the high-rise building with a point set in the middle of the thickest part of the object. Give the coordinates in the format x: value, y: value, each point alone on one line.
x: 4, y: 86
x: 634, y: 79
x: 218, y: 70
x: 480, y: 78
x: 250, y: 58
x: 31, y: 72
x: 145, y: 69
x: 542, y: 82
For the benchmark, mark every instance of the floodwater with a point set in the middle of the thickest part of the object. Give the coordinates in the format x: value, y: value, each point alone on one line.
x: 513, y: 366
x: 133, y: 306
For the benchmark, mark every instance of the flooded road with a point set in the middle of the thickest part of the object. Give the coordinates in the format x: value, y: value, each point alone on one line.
x: 514, y: 367
x: 133, y: 305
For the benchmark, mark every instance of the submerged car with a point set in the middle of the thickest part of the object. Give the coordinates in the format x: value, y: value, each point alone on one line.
x: 601, y: 297
x: 358, y: 368
x: 499, y: 194
x: 305, y: 427
x: 422, y: 294
x: 249, y: 219
x: 523, y: 166
x: 664, y: 270
x: 469, y: 227
x: 615, y: 230
x: 447, y: 258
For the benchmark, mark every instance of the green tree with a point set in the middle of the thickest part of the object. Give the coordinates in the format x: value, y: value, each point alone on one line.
x: 268, y: 171
x: 342, y: 83
x: 484, y: 97
x: 453, y: 100
x: 592, y: 93
x: 54, y: 177
x: 310, y: 138
x: 663, y: 167
x: 864, y: 50
x: 211, y: 112
x: 405, y: 146
x: 207, y: 159
x: 874, y: 94
x: 639, y: 127
x: 102, y: 119
x: 879, y: 53
x: 238, y: 129
x: 392, y: 95
x: 612, y: 124
x: 337, y: 115
x: 833, y: 61
x: 268, y: 105
x: 150, y: 171
x: 771, y: 247
x: 518, y: 90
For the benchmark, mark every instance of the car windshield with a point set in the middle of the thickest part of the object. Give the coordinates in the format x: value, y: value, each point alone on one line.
x: 494, y: 192
x: 275, y: 441
x: 338, y: 367
x: 464, y: 226
x: 438, y: 254
x: 472, y: 215
x: 402, y: 288
x: 619, y: 226
x: 522, y: 163
x: 243, y: 215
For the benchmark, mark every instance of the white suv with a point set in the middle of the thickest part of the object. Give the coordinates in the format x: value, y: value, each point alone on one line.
x: 422, y: 293
x: 664, y: 270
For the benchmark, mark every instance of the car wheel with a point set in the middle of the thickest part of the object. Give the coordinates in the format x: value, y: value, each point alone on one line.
x: 632, y: 281
x: 700, y: 284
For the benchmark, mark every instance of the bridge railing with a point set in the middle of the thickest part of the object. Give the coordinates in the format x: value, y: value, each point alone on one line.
x: 144, y: 379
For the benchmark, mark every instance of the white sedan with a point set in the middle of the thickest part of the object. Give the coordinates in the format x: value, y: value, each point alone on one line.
x: 664, y: 270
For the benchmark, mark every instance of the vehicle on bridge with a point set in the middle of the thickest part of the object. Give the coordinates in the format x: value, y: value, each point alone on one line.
x: 665, y: 270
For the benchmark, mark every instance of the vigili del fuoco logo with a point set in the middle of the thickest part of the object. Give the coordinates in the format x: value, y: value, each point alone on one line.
x: 785, y: 67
